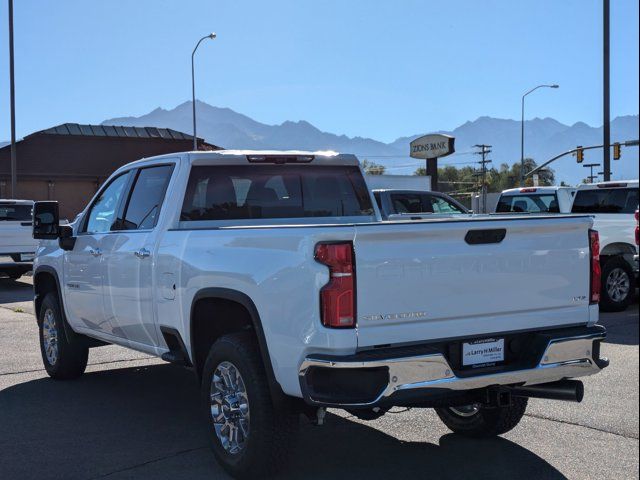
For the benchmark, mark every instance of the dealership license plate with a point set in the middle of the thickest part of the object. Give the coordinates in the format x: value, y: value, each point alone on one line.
x: 482, y: 352
x: 27, y: 257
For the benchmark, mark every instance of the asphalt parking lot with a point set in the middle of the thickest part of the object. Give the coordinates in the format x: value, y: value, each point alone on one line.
x: 132, y: 416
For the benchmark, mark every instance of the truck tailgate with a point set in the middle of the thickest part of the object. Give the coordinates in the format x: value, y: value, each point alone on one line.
x: 424, y: 280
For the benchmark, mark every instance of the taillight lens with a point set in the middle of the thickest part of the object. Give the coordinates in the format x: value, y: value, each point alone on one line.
x: 338, y: 297
x: 594, y: 250
x: 637, y: 229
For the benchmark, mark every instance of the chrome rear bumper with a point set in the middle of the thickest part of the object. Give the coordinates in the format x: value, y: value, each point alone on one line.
x: 563, y: 358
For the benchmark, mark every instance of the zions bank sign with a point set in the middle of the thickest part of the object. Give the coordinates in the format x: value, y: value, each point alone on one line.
x: 432, y: 146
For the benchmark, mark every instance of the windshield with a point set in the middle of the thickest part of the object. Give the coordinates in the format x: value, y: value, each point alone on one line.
x: 606, y: 200
x: 531, y: 203
x: 15, y: 212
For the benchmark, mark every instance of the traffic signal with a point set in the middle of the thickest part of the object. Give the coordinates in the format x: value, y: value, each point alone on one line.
x: 616, y: 151
x: 579, y: 154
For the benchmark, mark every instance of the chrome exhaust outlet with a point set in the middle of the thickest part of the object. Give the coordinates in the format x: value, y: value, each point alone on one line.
x: 567, y: 390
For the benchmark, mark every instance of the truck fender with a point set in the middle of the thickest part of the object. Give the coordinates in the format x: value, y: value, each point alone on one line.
x: 217, y: 293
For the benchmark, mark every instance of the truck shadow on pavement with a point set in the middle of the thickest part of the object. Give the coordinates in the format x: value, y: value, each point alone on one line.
x: 145, y: 423
x: 15, y: 291
x: 622, y: 327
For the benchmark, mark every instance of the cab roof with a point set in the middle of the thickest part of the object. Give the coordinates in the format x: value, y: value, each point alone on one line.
x: 610, y: 184
x: 547, y: 189
x: 245, y: 157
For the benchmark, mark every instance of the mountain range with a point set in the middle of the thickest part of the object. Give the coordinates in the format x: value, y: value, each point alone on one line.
x: 544, y: 138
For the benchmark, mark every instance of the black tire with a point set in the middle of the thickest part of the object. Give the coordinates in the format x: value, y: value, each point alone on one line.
x: 270, y: 430
x: 616, y: 270
x: 70, y: 358
x: 485, y: 422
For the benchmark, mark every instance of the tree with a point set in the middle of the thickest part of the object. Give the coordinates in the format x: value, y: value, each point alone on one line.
x: 372, y: 168
x: 498, y: 179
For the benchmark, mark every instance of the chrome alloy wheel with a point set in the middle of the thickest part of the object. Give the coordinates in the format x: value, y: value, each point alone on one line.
x: 230, y: 407
x: 466, y: 410
x: 618, y: 284
x: 50, y: 337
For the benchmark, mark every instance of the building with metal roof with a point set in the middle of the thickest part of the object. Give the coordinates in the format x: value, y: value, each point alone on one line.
x: 70, y: 161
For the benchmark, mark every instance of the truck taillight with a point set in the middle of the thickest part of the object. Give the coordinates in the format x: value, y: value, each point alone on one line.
x: 594, y: 251
x: 338, y: 297
x: 637, y: 228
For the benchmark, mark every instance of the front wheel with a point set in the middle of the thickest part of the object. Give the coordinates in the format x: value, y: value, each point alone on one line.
x: 63, y: 359
x: 249, y: 436
x: 478, y: 421
x: 617, y: 285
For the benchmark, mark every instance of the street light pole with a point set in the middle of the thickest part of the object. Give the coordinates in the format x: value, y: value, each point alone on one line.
x: 522, y: 129
x: 193, y: 87
x: 12, y: 101
x: 606, y: 92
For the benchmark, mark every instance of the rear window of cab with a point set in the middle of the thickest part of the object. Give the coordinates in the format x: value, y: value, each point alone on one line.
x: 13, y: 212
x: 249, y: 192
x: 528, y: 203
x: 606, y: 200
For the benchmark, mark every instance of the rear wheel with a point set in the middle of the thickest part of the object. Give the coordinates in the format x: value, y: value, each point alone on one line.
x: 249, y: 436
x: 617, y: 285
x: 478, y: 421
x: 63, y: 359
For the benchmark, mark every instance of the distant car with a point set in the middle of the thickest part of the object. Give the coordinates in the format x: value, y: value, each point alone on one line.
x: 416, y: 202
x: 554, y: 199
x: 15, y: 237
x: 613, y: 205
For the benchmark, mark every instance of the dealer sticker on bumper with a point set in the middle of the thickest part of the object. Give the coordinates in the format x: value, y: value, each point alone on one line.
x: 481, y: 352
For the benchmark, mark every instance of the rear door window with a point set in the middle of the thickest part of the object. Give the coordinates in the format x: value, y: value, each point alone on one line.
x: 540, y: 203
x: 606, y: 200
x: 268, y: 191
x: 143, y: 207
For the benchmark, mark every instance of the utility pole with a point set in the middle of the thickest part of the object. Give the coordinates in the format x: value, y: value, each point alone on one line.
x: 12, y: 101
x: 606, y: 120
x: 590, y: 166
x: 484, y: 151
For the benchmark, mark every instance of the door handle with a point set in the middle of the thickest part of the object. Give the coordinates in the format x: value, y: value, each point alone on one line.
x: 142, y: 253
x: 95, y: 252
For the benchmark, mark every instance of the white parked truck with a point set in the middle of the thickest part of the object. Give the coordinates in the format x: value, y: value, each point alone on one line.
x: 16, y: 240
x: 273, y: 277
x: 612, y: 205
x: 553, y: 199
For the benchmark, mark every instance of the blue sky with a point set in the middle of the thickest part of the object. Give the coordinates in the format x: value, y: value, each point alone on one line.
x: 369, y: 68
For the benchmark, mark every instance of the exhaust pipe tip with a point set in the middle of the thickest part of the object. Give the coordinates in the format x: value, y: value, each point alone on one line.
x: 567, y: 390
x: 579, y: 390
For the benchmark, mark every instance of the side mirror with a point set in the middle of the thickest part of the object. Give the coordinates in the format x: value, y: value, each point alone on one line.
x: 66, y: 241
x: 46, y: 221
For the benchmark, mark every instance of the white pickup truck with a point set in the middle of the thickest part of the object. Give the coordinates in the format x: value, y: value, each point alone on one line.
x: 273, y: 277
x: 612, y: 205
x: 16, y: 240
